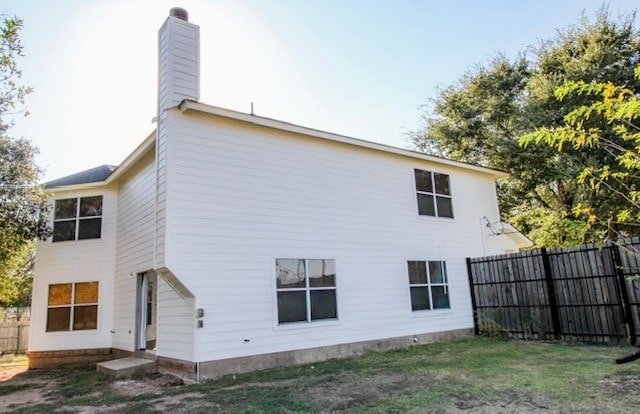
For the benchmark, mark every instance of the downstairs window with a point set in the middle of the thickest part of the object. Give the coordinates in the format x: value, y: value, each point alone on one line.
x: 306, y: 290
x: 429, y: 285
x: 72, y: 307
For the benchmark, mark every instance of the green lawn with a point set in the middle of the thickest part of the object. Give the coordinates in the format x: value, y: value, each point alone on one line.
x: 476, y: 375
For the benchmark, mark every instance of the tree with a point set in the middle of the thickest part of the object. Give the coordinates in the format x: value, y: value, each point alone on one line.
x: 22, y: 200
x: 16, y: 278
x: 480, y: 120
x: 609, y: 123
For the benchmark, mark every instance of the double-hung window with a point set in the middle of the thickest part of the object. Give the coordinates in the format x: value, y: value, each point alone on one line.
x: 434, y: 194
x: 306, y: 290
x: 77, y: 218
x: 429, y: 285
x: 72, y: 306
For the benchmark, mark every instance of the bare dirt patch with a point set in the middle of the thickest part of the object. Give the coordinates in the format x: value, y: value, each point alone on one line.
x: 28, y: 391
x: 270, y: 384
x: 150, y: 384
x: 623, y: 383
x: 356, y: 393
x: 509, y: 404
x: 351, y: 394
x: 155, y: 384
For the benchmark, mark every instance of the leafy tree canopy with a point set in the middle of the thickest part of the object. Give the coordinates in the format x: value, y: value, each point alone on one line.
x: 21, y: 198
x: 609, y: 123
x: 481, y: 117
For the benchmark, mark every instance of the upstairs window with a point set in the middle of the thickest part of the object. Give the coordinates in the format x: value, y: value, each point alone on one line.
x: 77, y: 218
x: 429, y: 285
x: 306, y: 290
x: 434, y: 194
x: 72, y: 307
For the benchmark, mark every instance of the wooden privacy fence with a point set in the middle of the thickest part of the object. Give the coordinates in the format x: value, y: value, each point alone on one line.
x: 14, y: 329
x: 581, y: 294
x: 14, y: 337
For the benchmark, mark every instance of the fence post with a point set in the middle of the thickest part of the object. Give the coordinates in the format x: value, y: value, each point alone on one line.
x: 476, y: 326
x: 18, y: 340
x: 551, y: 292
x: 624, y: 293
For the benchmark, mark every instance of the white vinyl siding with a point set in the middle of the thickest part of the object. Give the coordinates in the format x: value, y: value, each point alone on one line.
x: 135, y: 254
x: 308, y: 198
x: 176, y: 324
x: 134, y: 250
x: 91, y: 260
x: 179, y: 64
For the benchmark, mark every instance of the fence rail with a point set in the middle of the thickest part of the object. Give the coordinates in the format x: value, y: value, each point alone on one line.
x: 581, y: 294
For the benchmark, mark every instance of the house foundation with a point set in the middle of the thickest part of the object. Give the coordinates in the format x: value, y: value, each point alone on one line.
x: 215, y: 369
x: 71, y: 358
x: 219, y: 368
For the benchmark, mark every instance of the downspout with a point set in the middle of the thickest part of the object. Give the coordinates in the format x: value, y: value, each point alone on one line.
x: 196, y: 339
x: 484, y: 243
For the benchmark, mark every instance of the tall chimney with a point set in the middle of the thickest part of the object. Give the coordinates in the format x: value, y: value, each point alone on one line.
x: 178, y: 79
x: 178, y: 60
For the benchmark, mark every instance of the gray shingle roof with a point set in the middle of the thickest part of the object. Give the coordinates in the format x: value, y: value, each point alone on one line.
x: 92, y: 175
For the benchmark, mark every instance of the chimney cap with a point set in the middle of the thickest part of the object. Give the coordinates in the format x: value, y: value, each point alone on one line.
x: 179, y: 13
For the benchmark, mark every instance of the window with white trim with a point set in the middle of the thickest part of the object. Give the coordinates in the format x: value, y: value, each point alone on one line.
x: 306, y: 290
x: 434, y: 194
x: 72, y: 306
x: 428, y: 284
x: 78, y: 218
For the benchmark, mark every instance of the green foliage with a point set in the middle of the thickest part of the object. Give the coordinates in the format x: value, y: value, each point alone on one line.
x: 609, y: 122
x: 481, y: 118
x: 16, y: 277
x: 12, y: 95
x: 22, y: 200
x: 546, y: 227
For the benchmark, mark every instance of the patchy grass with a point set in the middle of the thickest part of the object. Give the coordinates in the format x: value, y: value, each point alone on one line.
x: 477, y: 375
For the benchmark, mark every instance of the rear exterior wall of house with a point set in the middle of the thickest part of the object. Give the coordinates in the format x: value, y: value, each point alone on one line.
x: 66, y: 269
x: 240, y: 197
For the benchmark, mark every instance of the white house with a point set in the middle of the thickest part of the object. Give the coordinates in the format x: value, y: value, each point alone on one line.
x: 229, y: 242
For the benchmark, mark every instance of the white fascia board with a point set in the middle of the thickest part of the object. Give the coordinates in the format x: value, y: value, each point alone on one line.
x: 134, y: 157
x: 74, y: 187
x: 186, y: 106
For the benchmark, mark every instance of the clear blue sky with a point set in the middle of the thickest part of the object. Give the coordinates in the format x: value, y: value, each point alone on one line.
x: 354, y: 67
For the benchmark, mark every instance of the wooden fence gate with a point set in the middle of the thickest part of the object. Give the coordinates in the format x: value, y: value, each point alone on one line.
x: 581, y: 294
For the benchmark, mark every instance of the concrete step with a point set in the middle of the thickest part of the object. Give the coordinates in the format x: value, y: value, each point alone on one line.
x: 127, y: 367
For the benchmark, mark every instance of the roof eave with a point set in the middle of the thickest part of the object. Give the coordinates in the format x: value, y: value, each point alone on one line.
x: 137, y: 154
x: 186, y: 106
x: 124, y: 166
x: 516, y: 236
x: 82, y: 186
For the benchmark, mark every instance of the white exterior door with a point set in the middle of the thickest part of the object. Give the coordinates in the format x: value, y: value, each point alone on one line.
x: 146, y: 305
